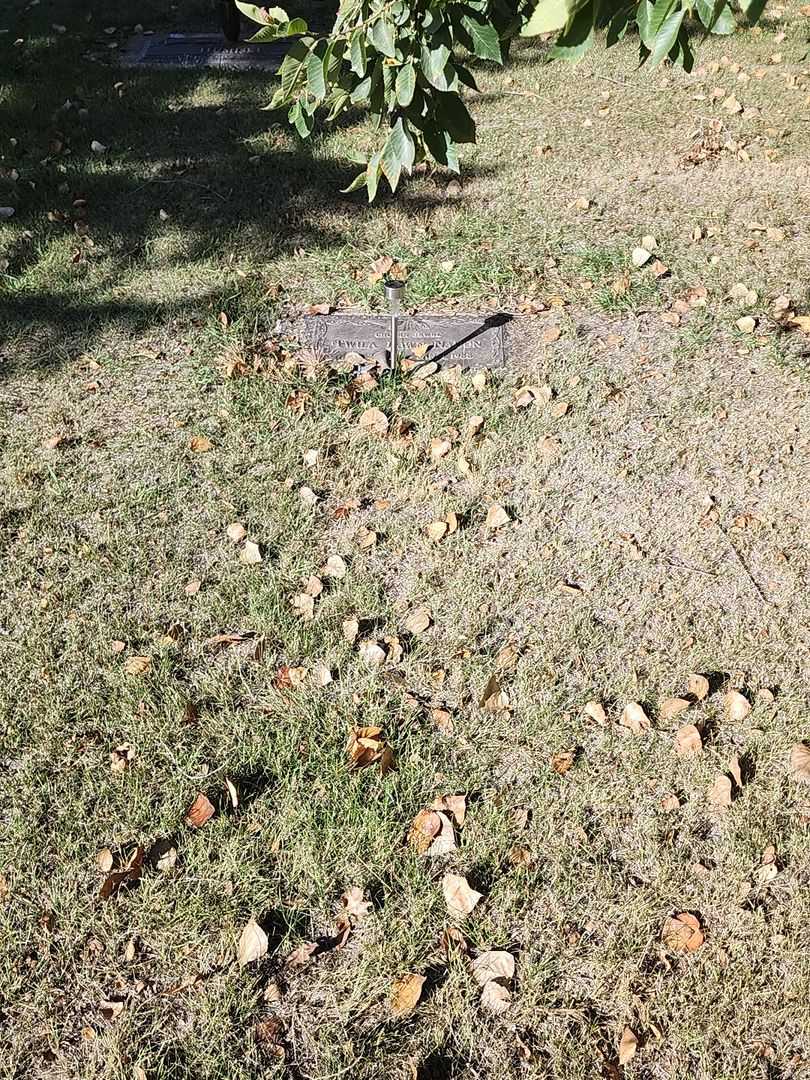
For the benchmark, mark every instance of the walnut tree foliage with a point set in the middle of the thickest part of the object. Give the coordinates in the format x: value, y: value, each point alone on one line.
x: 406, y: 61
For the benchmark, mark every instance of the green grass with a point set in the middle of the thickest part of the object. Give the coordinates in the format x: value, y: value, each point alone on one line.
x: 641, y: 494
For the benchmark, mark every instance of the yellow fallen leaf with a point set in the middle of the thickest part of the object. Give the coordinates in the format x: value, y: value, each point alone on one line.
x: 200, y: 444
x: 250, y: 554
x: 405, y: 993
x: 137, y: 665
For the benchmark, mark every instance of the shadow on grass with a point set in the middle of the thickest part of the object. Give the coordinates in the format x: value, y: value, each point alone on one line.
x: 194, y: 177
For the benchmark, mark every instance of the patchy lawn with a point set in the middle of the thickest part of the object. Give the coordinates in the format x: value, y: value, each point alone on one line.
x: 638, y: 517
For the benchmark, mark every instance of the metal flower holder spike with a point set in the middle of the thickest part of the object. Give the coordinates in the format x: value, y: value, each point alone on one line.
x: 394, y: 294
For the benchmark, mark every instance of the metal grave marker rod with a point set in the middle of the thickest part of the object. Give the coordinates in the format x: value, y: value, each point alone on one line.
x: 394, y: 294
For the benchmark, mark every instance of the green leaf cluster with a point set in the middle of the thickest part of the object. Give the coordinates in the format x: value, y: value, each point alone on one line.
x: 408, y: 62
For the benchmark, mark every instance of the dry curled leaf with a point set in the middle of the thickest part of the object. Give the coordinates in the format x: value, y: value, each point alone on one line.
x: 497, y: 517
x: 720, y: 793
x: 596, y: 711
x: 334, y: 567
x: 374, y: 421
x: 697, y: 686
x: 495, y: 998
x: 236, y: 531
x: 304, y: 604
x: 405, y: 993
x: 367, y: 746
x: 418, y: 621
x: 424, y: 829
x: 494, y: 697
x: 628, y: 1044
x: 688, y: 742
x: 737, y: 705
x: 250, y: 554
x: 682, y: 933
x: 129, y: 872
x: 455, y: 805
x: 670, y: 803
x: 528, y: 395
x: 446, y: 526
x: 459, y: 896
x: 252, y: 943
x: 121, y: 758
x: 495, y: 964
x: 562, y: 761
x: 800, y: 763
x: 199, y: 444
x: 355, y: 905
x: 634, y: 718
x: 137, y: 665
x: 200, y: 811
x: 672, y: 707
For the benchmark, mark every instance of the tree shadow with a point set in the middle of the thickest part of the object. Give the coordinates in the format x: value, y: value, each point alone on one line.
x: 122, y: 239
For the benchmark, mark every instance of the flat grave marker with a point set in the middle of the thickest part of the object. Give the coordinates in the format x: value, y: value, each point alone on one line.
x: 472, y: 341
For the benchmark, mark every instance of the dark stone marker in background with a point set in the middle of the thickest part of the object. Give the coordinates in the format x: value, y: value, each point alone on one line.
x: 472, y: 341
x: 201, y: 51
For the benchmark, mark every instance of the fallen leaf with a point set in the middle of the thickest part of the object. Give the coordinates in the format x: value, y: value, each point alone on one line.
x: 446, y: 526
x: 495, y: 998
x: 374, y: 421
x: 550, y: 334
x: 452, y: 941
x: 104, y: 860
x: 628, y: 1044
x: 801, y: 322
x: 732, y: 105
x: 688, y: 742
x: 747, y: 324
x: 137, y: 665
x: 455, y: 805
x: 445, y: 841
x: 406, y: 992
x: 682, y: 933
x: 528, y: 395
x: 418, y: 621
x: 355, y: 905
x: 301, y: 956
x: 304, y: 604
x: 634, y: 718
x: 366, y: 746
x: 111, y: 1010
x: 800, y: 763
x: 321, y: 675
x: 130, y: 871
x: 440, y: 448
x: 697, y: 686
x: 424, y: 829
x: 458, y: 895
x: 595, y: 710
x: 494, y: 697
x: 670, y: 802
x: 639, y: 256
x: 236, y: 531
x: 495, y: 964
x: 351, y: 628
x: 720, y: 793
x: 334, y: 567
x: 737, y: 705
x: 672, y: 706
x: 252, y: 943
x: 372, y: 652
x: 497, y: 517
x: 200, y: 444
x: 233, y: 795
x: 97, y: 147
x: 200, y: 811
x: 121, y: 757
x: 167, y: 859
x: 250, y: 554
x: 563, y: 761
x: 735, y: 770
